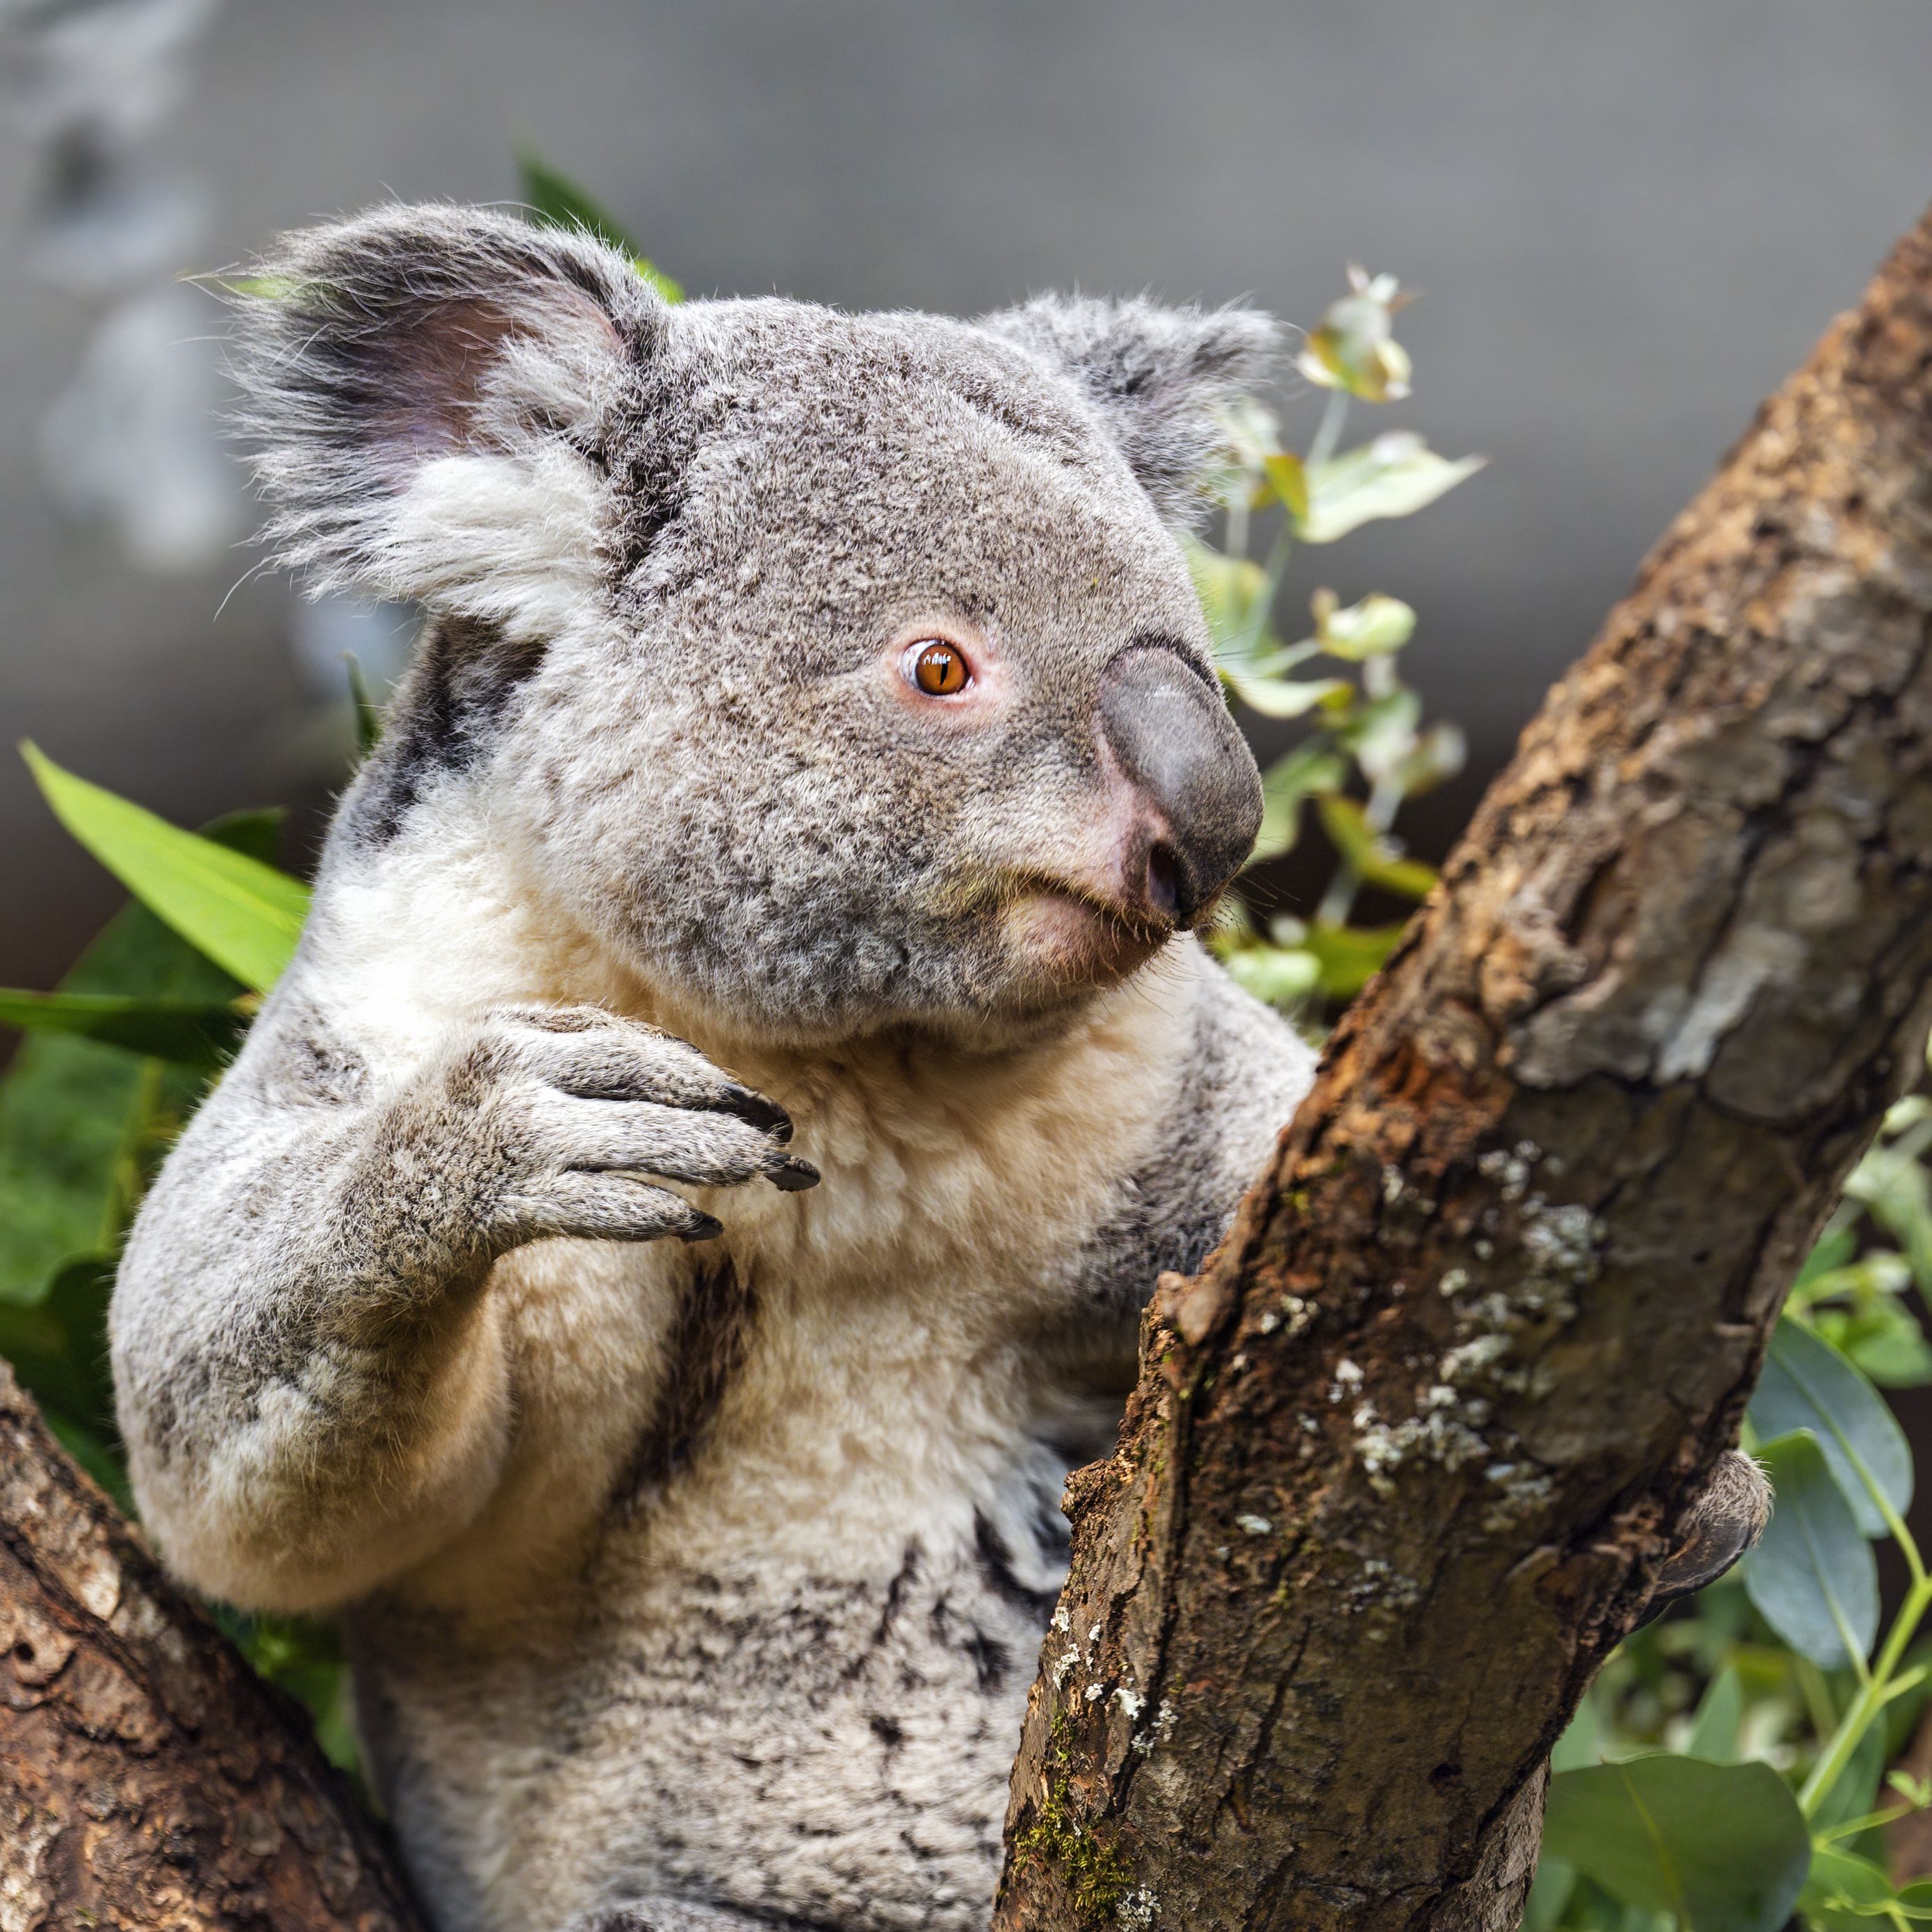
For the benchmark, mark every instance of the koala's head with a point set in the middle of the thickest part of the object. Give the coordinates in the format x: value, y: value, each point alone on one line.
x: 837, y: 672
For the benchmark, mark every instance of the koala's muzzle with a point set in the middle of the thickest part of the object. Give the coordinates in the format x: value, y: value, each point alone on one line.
x: 1170, y: 730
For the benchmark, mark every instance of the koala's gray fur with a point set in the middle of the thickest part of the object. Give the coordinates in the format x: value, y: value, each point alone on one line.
x: 698, y: 1583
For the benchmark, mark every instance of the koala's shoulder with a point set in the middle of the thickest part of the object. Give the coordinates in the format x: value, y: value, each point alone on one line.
x: 1242, y: 1074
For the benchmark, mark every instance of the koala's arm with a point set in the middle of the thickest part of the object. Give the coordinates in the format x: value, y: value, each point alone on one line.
x: 310, y: 1369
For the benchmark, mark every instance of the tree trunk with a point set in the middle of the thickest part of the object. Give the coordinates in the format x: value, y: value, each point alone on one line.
x: 1404, y: 1457
x: 148, y: 1779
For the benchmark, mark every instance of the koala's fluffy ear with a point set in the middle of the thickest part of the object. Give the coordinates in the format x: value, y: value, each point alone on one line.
x: 1159, y: 376
x: 426, y: 391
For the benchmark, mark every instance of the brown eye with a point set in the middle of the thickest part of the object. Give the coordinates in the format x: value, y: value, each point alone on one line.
x: 938, y: 669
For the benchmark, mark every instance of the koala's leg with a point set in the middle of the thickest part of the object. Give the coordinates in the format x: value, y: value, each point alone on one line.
x: 310, y: 1371
x: 1721, y: 1525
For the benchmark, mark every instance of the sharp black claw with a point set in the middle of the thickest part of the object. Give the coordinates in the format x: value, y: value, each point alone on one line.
x: 767, y: 1115
x: 795, y: 1176
x: 701, y: 1227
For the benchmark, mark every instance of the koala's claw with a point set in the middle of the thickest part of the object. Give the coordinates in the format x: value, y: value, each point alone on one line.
x: 758, y: 1111
x: 591, y: 1108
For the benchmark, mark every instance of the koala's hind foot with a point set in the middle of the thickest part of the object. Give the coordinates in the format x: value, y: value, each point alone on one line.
x: 1720, y: 1526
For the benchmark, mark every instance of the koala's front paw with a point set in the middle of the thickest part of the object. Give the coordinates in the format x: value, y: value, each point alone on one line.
x: 581, y: 1102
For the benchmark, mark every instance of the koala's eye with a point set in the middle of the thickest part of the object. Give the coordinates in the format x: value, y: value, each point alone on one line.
x: 938, y: 668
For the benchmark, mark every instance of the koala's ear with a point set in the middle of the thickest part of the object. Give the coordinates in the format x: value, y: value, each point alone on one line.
x: 426, y: 391
x: 1158, y: 377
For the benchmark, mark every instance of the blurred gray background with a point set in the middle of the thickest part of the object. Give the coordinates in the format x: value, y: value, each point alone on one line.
x: 1628, y: 222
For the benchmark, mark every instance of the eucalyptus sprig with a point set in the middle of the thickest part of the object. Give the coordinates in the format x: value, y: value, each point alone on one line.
x: 1366, y: 751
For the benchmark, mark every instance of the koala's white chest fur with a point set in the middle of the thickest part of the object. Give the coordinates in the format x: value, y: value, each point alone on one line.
x: 753, y: 1611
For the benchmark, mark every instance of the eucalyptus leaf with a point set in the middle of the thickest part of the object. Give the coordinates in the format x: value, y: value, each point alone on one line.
x: 1713, y: 1733
x: 1278, y: 975
x: 191, y: 1033
x: 1313, y: 767
x: 1373, y: 628
x: 368, y: 712
x: 1232, y: 591
x: 246, y: 917
x: 1394, y: 475
x: 1370, y: 854
x: 1832, y: 1249
x: 557, y: 201
x: 1350, y: 956
x: 1845, y: 1892
x: 1812, y: 1576
x: 1288, y: 481
x: 1549, y: 1894
x: 58, y: 1345
x: 1283, y: 697
x: 1582, y: 1739
x: 1896, y: 1190
x: 1854, y: 1793
x: 1807, y: 1384
x: 1723, y: 1847
x: 1882, y: 1339
x: 81, y: 1123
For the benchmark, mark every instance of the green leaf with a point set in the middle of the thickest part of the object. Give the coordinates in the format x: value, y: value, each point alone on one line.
x: 98, y: 1452
x: 58, y: 1345
x: 1278, y: 975
x: 1369, y: 852
x: 368, y: 712
x: 246, y: 917
x: 1313, y: 767
x: 1812, y: 1575
x: 1393, y: 476
x: 1807, y: 1384
x: 1582, y: 1739
x: 1854, y: 1793
x: 1723, y: 1846
x: 1832, y: 1250
x: 1881, y: 1338
x: 1288, y: 481
x: 1548, y: 1893
x: 191, y: 1033
x: 1845, y: 1892
x: 1896, y: 1190
x: 557, y: 201
x: 80, y: 1122
x: 1281, y: 696
x: 1714, y: 1735
x: 1350, y: 956
x: 1233, y: 591
x: 1373, y: 628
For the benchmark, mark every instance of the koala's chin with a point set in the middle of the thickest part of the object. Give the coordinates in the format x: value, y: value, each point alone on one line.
x: 1066, y: 946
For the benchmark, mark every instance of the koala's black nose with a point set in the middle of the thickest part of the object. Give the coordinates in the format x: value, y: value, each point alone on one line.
x: 1170, y: 730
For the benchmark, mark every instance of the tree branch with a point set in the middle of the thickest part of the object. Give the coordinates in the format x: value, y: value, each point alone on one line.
x: 151, y: 1779
x: 1404, y: 1458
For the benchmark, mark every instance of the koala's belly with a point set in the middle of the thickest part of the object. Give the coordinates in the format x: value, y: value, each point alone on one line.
x: 827, y: 1744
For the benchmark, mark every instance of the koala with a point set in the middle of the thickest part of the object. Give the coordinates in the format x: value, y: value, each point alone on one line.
x: 690, y: 1201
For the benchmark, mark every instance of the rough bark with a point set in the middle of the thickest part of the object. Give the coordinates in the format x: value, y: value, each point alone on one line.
x: 1404, y: 1457
x: 148, y: 1779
